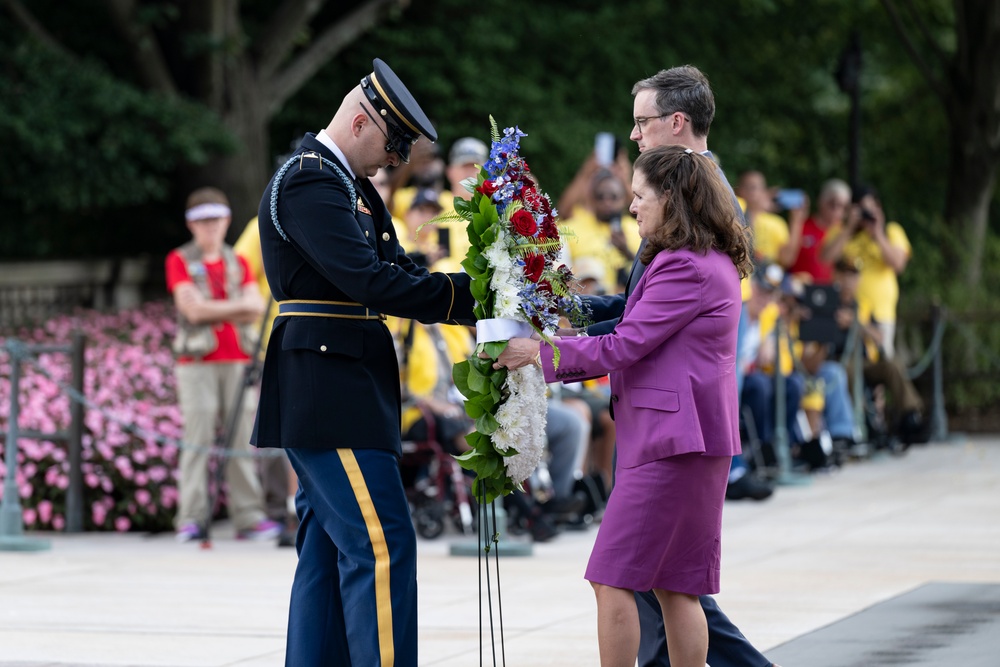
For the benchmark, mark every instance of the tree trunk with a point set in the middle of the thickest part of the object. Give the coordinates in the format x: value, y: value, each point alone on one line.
x: 971, y: 180
x: 244, y: 174
x: 973, y: 110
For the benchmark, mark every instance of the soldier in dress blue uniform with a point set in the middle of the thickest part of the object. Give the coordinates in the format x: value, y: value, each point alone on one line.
x: 330, y: 391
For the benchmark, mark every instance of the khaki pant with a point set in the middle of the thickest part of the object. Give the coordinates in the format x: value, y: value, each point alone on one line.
x: 207, y: 392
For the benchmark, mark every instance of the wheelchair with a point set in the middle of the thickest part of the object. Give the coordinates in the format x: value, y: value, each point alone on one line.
x: 437, y: 488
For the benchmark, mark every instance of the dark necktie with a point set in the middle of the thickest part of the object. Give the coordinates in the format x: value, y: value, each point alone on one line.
x: 636, y: 271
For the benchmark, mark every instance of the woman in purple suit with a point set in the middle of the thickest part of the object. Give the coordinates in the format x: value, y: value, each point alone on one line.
x: 672, y: 365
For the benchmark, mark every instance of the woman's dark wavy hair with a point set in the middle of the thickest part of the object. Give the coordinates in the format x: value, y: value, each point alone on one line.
x: 699, y: 210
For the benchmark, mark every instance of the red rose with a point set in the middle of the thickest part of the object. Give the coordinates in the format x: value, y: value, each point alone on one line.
x: 533, y: 266
x: 549, y: 229
x: 545, y: 286
x: 487, y: 188
x: 524, y: 223
x: 531, y: 198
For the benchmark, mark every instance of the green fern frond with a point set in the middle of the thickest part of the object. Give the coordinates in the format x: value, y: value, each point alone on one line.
x: 494, y: 133
x: 536, y: 248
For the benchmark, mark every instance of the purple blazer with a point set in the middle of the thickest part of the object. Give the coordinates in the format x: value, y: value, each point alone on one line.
x: 672, y: 360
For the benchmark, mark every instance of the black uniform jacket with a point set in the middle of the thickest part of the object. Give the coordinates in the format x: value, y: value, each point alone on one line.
x: 334, y: 382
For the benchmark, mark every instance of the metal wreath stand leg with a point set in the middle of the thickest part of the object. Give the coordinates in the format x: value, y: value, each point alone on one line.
x: 490, y: 540
x: 226, y: 441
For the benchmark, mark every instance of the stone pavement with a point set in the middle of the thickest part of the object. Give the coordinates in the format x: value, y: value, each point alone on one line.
x: 803, y: 559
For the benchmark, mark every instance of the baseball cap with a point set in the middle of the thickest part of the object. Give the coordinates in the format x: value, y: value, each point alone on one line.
x: 588, y: 268
x: 468, y: 150
x: 426, y: 197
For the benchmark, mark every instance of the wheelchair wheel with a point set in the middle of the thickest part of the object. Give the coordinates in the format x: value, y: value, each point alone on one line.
x: 429, y: 521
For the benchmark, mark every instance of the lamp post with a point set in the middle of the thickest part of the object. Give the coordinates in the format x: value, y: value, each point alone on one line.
x: 848, y: 76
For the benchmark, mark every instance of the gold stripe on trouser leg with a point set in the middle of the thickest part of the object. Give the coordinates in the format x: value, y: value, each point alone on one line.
x: 383, y: 596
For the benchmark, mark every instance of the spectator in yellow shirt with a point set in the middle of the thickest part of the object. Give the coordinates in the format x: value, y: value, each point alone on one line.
x: 770, y: 232
x: 602, y: 229
x: 465, y: 158
x: 276, y: 475
x: 882, y: 250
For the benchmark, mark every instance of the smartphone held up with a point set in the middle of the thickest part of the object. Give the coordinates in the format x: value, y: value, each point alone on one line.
x: 788, y: 200
x: 604, y: 148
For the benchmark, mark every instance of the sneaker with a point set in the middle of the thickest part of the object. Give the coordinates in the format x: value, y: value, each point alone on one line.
x: 748, y: 486
x: 541, y: 529
x: 264, y: 530
x: 189, y: 532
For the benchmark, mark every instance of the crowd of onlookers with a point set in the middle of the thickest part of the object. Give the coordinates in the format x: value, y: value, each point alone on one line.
x: 817, y: 328
x: 819, y: 308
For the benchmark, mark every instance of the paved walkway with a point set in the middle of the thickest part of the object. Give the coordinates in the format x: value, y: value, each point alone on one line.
x: 805, y: 558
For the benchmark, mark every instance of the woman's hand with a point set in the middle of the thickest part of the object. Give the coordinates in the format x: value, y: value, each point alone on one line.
x: 520, y: 352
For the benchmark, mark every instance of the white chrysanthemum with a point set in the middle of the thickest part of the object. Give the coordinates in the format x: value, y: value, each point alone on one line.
x: 496, y: 255
x: 507, y: 302
x: 522, y: 422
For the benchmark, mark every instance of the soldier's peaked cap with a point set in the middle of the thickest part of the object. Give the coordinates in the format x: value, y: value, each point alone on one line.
x: 404, y: 117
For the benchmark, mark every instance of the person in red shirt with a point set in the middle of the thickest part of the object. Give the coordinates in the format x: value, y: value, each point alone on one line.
x: 807, y: 237
x: 217, y: 303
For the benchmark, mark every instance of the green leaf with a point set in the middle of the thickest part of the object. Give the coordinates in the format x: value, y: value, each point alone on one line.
x: 467, y: 456
x: 474, y: 407
x: 478, y: 441
x: 460, y: 374
x: 477, y: 381
x: 470, y: 267
x: 463, y: 207
x: 483, y: 403
x: 487, y: 424
x: 495, y: 348
x: 483, y: 366
x: 490, y: 466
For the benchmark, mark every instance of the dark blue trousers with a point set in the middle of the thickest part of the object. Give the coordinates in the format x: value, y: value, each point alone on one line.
x: 727, y: 647
x: 354, y: 597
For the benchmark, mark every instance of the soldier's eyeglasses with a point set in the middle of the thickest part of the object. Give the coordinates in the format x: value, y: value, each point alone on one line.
x: 390, y: 145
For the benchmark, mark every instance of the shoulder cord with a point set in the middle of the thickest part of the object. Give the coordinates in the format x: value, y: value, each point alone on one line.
x: 276, y: 185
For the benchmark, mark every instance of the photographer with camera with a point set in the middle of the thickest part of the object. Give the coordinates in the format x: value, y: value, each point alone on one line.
x: 881, y: 249
x: 771, y: 233
x: 602, y: 228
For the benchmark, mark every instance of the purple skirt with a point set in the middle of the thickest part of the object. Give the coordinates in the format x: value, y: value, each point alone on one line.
x: 663, y: 526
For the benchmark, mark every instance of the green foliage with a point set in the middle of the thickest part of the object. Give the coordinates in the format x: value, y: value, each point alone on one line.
x: 477, y: 380
x: 86, y: 150
x: 77, y: 141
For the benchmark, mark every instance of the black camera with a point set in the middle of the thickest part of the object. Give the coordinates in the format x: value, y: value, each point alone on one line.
x: 444, y: 240
x: 867, y: 215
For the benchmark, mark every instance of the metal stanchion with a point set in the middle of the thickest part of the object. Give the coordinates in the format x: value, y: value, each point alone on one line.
x: 939, y: 418
x: 11, y: 520
x: 74, y: 443
x: 858, y: 382
x: 781, y: 447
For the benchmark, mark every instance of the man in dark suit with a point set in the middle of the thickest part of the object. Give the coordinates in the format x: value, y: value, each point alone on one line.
x: 330, y: 391
x: 673, y: 107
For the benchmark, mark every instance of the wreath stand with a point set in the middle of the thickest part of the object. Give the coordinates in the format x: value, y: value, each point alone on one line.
x: 492, y: 523
x: 492, y: 526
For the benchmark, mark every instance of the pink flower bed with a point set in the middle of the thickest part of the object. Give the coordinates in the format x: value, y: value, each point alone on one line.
x: 129, y: 480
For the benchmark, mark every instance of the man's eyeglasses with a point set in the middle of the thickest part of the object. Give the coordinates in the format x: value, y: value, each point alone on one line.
x: 642, y: 120
x: 390, y: 145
